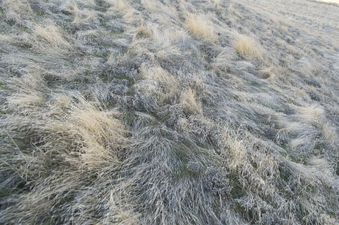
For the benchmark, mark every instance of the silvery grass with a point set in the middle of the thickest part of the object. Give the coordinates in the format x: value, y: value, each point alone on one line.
x: 168, y: 112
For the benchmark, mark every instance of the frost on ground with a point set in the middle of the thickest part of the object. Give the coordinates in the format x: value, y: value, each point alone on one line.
x: 169, y: 112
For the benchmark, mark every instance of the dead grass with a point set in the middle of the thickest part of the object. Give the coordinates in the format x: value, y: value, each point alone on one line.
x: 143, y: 32
x: 16, y: 10
x: 27, y: 89
x: 147, y: 112
x: 103, y: 136
x: 168, y: 82
x: 236, y: 150
x: 313, y: 114
x: 189, y: 102
x: 329, y: 133
x: 52, y: 35
x: 120, y: 5
x: 124, y: 9
x: 248, y: 48
x: 200, y: 27
x: 19, y: 100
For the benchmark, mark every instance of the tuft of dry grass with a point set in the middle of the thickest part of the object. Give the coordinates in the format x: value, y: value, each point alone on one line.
x: 102, y: 135
x: 189, y: 102
x: 16, y: 10
x: 329, y: 132
x: 52, y: 35
x: 119, y: 5
x: 27, y: 91
x: 236, y: 150
x: 200, y: 27
x: 21, y: 100
x: 143, y: 31
x: 150, y: 5
x: 81, y: 15
x: 168, y: 82
x: 248, y: 48
x: 215, y: 2
x: 123, y: 8
x: 313, y: 114
x: 269, y: 72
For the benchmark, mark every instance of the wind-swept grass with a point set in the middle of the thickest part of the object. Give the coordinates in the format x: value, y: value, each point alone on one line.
x: 157, y: 112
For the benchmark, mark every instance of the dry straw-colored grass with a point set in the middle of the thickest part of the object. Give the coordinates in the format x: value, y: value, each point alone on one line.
x: 189, y: 101
x: 147, y: 112
x: 248, y: 48
x: 52, y: 35
x: 201, y: 27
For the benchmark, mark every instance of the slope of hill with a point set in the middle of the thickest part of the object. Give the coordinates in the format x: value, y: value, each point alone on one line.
x: 330, y: 1
x: 171, y: 112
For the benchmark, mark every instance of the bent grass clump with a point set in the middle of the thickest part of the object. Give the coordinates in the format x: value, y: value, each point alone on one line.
x: 52, y: 35
x: 143, y: 32
x: 200, y: 27
x: 189, y: 102
x: 166, y: 80
x: 103, y: 136
x: 248, y: 48
x: 79, y: 141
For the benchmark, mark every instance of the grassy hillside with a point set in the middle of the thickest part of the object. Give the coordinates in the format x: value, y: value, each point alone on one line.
x: 171, y: 112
